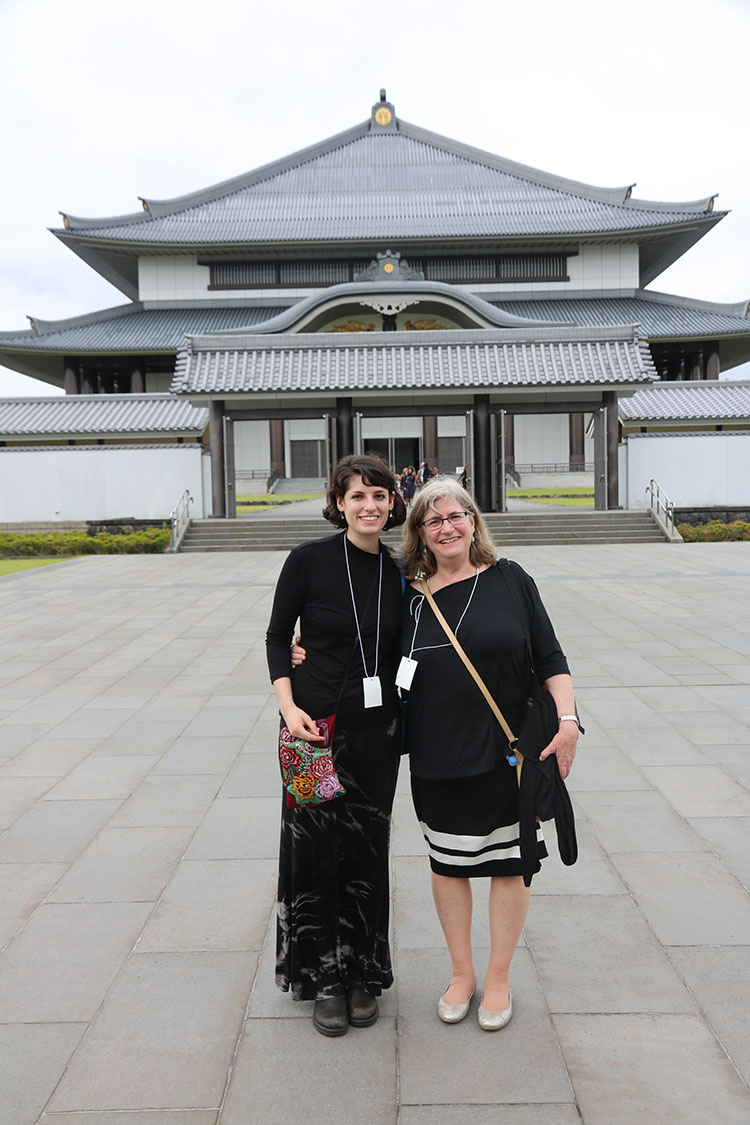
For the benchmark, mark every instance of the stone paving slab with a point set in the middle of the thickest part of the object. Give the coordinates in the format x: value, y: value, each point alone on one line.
x: 443, y: 1064
x: 657, y: 1068
x: 165, y: 1035
x: 139, y: 810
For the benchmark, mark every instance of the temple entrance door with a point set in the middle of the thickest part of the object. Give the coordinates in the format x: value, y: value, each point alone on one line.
x: 405, y: 452
x: 308, y: 458
x: 398, y: 452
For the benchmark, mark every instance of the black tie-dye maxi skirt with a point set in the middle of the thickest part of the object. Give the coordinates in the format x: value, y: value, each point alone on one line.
x: 334, y: 889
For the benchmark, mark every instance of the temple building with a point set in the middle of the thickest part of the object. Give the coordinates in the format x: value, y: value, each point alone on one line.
x: 391, y: 290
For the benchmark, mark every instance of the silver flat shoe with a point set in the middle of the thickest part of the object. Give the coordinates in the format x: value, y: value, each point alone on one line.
x: 495, y: 1021
x: 454, y: 1013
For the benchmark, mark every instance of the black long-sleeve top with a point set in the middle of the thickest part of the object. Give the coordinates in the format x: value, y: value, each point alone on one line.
x: 313, y: 587
x: 450, y: 729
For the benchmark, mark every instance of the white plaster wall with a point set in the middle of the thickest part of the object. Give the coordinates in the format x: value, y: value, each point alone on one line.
x: 541, y: 438
x: 98, y: 484
x: 452, y: 426
x: 305, y: 429
x: 173, y: 277
x: 252, y: 445
x: 609, y: 266
x: 698, y: 469
x: 158, y: 382
x: 391, y: 427
x: 178, y: 277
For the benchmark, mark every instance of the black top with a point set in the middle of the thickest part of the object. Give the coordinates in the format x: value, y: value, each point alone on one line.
x: 313, y: 587
x: 450, y: 729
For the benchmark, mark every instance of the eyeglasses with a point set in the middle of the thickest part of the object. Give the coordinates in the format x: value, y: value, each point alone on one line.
x: 434, y: 523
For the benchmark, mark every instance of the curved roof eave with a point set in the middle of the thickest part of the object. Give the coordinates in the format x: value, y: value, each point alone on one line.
x: 358, y: 291
x: 153, y: 208
x: 622, y: 195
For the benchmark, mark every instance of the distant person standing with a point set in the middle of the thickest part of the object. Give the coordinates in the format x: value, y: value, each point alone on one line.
x: 424, y: 474
x: 409, y: 478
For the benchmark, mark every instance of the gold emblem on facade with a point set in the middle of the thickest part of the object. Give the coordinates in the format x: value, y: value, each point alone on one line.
x: 388, y: 267
x: 383, y: 115
x: 423, y: 325
x: 352, y: 326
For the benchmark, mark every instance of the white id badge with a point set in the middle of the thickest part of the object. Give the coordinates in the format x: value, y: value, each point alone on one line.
x: 405, y: 674
x: 373, y: 691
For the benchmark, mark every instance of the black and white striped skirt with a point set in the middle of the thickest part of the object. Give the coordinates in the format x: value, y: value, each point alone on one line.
x: 471, y: 823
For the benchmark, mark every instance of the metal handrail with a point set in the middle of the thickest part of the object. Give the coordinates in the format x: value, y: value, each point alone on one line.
x: 660, y: 501
x: 180, y: 521
x: 554, y: 467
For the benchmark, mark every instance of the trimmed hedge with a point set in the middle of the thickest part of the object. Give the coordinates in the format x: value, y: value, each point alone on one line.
x: 151, y: 541
x: 714, y: 531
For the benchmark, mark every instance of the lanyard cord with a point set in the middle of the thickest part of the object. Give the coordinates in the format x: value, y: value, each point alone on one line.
x: 356, y: 618
x: 417, y: 614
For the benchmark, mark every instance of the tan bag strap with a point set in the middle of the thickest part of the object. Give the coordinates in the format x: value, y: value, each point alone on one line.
x: 512, y: 742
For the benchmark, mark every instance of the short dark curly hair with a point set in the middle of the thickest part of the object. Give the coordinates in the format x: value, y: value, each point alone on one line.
x: 375, y: 472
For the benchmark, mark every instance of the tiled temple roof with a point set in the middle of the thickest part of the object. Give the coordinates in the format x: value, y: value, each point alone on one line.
x: 673, y: 402
x: 386, y: 183
x: 101, y: 414
x: 400, y: 361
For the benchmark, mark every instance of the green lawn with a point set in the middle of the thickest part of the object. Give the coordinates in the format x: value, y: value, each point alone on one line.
x: 539, y: 493
x: 263, y: 501
x: 563, y: 501
x: 11, y: 566
x: 562, y: 497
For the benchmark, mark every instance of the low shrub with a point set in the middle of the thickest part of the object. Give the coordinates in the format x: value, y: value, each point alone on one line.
x: 150, y: 541
x: 714, y: 531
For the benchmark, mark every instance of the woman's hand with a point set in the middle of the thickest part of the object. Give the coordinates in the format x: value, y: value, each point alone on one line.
x: 563, y: 746
x: 299, y: 654
x: 301, y: 725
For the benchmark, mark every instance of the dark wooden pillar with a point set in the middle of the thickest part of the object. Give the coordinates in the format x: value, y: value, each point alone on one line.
x: 137, y: 380
x: 674, y: 368
x: 89, y: 381
x: 276, y: 441
x: 70, y: 379
x: 510, y: 442
x: 430, y: 440
x: 713, y: 364
x: 108, y: 384
x: 613, y: 439
x: 216, y: 441
x: 482, y: 454
x: 576, y: 452
x: 344, y: 427
x: 694, y: 366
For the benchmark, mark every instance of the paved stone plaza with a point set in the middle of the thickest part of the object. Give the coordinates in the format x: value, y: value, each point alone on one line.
x: 139, y: 805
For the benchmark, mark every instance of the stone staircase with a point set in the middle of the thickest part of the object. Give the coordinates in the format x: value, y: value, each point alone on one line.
x: 300, y: 485
x: 257, y: 533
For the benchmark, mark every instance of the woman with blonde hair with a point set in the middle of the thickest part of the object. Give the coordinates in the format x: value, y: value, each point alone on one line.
x: 465, y: 791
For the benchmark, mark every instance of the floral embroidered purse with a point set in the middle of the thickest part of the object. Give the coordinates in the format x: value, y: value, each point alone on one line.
x: 307, y: 767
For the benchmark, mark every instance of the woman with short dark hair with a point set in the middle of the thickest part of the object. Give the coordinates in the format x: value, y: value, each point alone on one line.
x: 333, y: 893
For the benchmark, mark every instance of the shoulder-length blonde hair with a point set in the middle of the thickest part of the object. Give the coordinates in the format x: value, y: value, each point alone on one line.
x: 417, y: 558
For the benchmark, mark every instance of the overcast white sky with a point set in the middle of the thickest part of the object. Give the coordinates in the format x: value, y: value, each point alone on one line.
x: 106, y: 101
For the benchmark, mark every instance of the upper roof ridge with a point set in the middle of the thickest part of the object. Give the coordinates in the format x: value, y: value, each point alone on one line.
x: 382, y: 121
